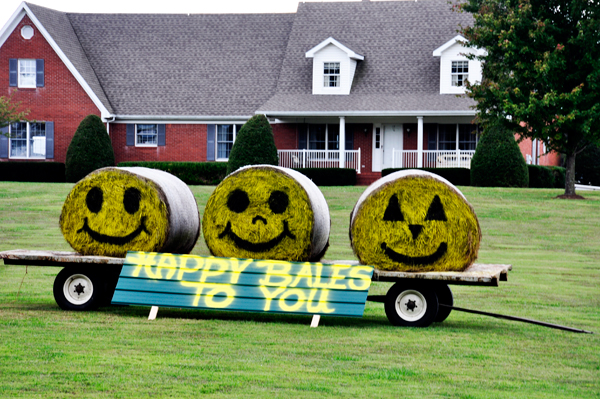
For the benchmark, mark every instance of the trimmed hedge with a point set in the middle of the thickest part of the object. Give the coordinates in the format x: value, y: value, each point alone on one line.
x: 191, y: 173
x: 330, y: 176
x: 541, y: 177
x: 559, y: 176
x: 498, y: 161
x: 90, y: 149
x: 456, y: 176
x: 587, y: 166
x: 254, y: 145
x: 41, y: 172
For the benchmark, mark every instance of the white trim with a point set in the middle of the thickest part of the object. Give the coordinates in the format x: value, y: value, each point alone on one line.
x: 135, y: 135
x: 27, y: 141
x: 181, y: 119
x: 330, y: 40
x: 19, y: 84
x: 365, y: 113
x: 459, y: 38
x: 23, y: 10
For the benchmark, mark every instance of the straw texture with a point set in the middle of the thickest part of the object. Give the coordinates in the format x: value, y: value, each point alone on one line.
x: 267, y: 212
x: 414, y: 221
x: 115, y: 210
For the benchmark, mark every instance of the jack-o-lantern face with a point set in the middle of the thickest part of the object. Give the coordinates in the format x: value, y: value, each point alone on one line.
x: 415, y: 223
x: 259, y: 213
x: 111, y: 212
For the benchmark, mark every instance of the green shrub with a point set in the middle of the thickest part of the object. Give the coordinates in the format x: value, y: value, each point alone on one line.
x: 254, y: 145
x: 540, y: 177
x: 191, y: 173
x: 498, y: 161
x: 559, y: 176
x: 90, y: 149
x: 456, y: 176
x: 587, y: 166
x: 42, y: 172
x: 330, y: 176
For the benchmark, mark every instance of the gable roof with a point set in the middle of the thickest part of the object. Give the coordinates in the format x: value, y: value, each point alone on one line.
x: 398, y: 75
x: 219, y: 66
x: 330, y: 40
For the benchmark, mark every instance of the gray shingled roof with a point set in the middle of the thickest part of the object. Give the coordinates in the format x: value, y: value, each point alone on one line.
x: 397, y: 39
x: 58, y: 26
x: 239, y: 64
x: 174, y: 64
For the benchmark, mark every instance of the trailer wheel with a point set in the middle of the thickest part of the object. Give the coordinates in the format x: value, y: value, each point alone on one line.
x: 411, y: 305
x: 445, y: 297
x: 78, y: 289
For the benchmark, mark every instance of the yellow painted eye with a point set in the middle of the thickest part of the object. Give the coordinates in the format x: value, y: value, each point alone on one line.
x: 414, y: 221
x: 267, y: 212
x: 115, y: 210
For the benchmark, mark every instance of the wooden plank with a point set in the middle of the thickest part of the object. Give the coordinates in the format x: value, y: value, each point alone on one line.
x: 241, y: 291
x: 275, y: 305
x: 242, y: 284
x: 476, y: 274
x: 54, y: 258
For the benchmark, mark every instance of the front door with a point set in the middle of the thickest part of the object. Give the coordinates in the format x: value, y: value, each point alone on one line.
x: 392, y: 142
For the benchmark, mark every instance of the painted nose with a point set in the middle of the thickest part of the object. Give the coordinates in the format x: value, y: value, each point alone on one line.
x: 415, y: 229
x: 258, y: 217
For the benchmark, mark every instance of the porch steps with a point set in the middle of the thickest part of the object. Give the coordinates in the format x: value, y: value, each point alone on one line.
x: 366, y: 178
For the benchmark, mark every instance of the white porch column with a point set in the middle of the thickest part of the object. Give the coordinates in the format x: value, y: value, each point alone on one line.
x: 342, y: 141
x: 419, y: 141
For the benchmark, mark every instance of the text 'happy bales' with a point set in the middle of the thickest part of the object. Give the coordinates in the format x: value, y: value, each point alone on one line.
x: 246, y: 284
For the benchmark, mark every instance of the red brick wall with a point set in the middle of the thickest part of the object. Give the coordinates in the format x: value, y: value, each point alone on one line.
x: 183, y: 143
x: 364, y: 142
x: 550, y: 159
x: 286, y: 136
x: 61, y: 100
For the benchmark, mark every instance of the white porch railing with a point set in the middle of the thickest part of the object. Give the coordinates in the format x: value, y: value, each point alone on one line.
x: 318, y: 159
x: 432, y: 159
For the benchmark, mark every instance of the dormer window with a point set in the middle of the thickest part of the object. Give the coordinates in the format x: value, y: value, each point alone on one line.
x: 460, y: 72
x: 331, y: 74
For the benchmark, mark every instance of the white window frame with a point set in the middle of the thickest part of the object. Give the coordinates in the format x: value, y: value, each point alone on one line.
x: 236, y: 127
x: 20, y: 74
x: 327, y: 76
x: 326, y: 137
x: 137, y: 144
x: 27, y: 142
x: 458, y: 79
x: 457, y: 139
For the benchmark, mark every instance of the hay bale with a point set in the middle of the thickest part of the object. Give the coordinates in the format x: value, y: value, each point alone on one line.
x: 414, y: 221
x: 267, y: 212
x: 115, y: 210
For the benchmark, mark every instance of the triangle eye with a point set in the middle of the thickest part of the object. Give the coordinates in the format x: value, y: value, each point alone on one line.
x: 436, y: 210
x: 393, y: 212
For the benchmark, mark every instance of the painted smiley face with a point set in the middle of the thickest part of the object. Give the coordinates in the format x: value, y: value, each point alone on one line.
x: 260, y: 212
x: 111, y: 212
x: 415, y: 222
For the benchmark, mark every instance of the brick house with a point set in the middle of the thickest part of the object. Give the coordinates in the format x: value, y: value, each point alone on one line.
x: 365, y: 85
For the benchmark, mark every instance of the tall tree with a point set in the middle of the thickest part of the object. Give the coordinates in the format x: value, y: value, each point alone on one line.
x: 9, y: 111
x: 541, y: 73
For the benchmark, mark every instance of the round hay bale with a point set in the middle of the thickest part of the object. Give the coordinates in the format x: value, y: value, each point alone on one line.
x: 414, y: 220
x: 267, y: 212
x: 115, y: 210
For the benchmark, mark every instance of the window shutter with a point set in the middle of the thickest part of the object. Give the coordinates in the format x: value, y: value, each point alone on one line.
x: 4, y: 142
x: 211, y: 131
x: 130, y: 137
x: 302, y: 133
x: 349, y: 143
x: 39, y: 73
x: 161, y: 135
x: 13, y: 78
x: 49, y: 140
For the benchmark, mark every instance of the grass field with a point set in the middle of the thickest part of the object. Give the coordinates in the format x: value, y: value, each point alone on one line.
x: 115, y: 352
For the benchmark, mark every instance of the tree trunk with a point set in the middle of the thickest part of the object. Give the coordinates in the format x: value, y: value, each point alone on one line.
x: 570, y: 175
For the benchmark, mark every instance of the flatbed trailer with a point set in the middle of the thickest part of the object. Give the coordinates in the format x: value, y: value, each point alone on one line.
x: 415, y: 298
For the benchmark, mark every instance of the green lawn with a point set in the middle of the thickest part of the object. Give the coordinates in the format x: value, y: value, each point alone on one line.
x: 553, y: 245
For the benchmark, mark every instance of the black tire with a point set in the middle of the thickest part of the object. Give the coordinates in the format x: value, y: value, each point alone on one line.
x: 411, y: 305
x: 77, y: 288
x: 445, y: 297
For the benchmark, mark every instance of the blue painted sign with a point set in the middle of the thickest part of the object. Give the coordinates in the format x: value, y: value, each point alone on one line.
x: 207, y: 282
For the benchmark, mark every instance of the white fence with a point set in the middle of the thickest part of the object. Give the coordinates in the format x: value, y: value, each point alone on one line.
x: 318, y: 159
x: 433, y: 159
